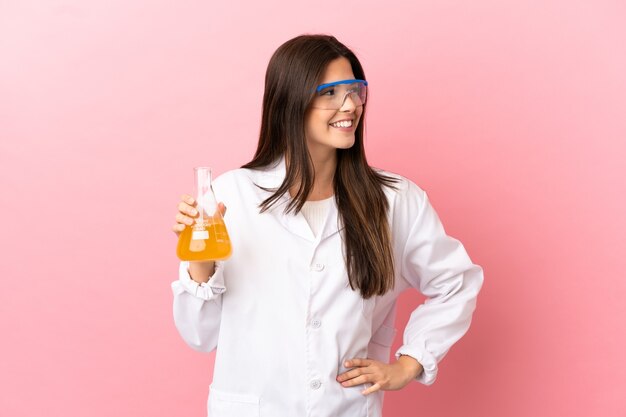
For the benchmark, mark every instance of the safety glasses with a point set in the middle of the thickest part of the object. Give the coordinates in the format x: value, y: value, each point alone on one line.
x: 332, y: 96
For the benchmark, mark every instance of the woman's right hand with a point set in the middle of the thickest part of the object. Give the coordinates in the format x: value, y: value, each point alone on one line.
x: 200, y: 271
x: 187, y: 213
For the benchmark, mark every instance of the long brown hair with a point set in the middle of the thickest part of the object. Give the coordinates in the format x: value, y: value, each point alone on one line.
x: 292, y: 75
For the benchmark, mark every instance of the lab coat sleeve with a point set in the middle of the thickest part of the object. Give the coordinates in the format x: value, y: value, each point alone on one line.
x: 198, y: 308
x: 439, y: 267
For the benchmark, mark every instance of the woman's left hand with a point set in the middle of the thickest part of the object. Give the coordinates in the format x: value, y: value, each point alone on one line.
x: 383, y: 376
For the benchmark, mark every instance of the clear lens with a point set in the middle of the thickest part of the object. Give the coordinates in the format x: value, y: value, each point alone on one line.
x: 332, y: 97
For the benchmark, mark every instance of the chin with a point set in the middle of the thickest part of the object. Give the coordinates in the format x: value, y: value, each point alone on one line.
x: 333, y: 143
x: 346, y: 145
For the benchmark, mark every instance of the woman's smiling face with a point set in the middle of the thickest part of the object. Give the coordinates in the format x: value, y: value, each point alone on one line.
x: 323, y: 132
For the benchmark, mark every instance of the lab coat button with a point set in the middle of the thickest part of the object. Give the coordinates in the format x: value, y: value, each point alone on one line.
x: 315, y: 384
x: 317, y: 267
x: 316, y: 323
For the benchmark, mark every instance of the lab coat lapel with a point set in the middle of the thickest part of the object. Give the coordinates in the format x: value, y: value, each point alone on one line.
x: 333, y: 223
x: 298, y: 225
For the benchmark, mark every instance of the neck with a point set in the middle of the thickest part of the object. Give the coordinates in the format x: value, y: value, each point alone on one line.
x: 324, y: 167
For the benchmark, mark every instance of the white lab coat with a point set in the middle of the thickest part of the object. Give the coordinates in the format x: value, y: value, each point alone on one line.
x: 283, y: 317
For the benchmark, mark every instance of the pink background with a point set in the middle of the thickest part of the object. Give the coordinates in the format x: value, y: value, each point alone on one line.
x: 511, y: 114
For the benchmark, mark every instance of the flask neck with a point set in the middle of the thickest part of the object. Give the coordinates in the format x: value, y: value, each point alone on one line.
x: 202, y: 182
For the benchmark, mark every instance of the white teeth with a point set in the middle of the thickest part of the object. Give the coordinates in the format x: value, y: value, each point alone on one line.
x: 345, y: 123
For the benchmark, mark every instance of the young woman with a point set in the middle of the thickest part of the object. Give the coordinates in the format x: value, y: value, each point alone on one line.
x: 302, y: 314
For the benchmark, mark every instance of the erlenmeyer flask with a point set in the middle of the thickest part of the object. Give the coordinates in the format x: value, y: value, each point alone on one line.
x: 206, y: 239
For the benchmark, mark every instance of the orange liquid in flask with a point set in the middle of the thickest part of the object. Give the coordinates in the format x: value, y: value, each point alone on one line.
x: 205, y: 241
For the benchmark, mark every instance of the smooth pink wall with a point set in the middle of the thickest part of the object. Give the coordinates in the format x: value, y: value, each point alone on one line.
x: 511, y: 114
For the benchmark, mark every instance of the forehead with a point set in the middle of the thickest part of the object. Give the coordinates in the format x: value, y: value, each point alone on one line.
x: 337, y: 69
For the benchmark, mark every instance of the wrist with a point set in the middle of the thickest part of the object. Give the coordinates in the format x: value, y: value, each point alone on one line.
x: 201, y: 271
x: 411, y: 366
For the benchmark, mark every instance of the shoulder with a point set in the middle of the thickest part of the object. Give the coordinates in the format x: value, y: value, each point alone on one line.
x: 233, y: 176
x: 234, y: 182
x: 401, y: 189
x: 244, y: 183
x: 248, y: 175
x: 408, y: 202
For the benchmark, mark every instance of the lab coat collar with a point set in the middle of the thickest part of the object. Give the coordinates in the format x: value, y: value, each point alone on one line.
x: 271, y: 178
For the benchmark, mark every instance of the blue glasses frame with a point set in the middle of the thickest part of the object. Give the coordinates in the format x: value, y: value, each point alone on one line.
x: 322, y: 86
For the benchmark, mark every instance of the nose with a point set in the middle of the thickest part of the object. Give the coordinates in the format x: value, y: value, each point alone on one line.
x: 349, y: 103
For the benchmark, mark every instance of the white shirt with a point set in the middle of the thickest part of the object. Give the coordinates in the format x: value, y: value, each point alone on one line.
x: 283, y: 317
x: 315, y: 213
